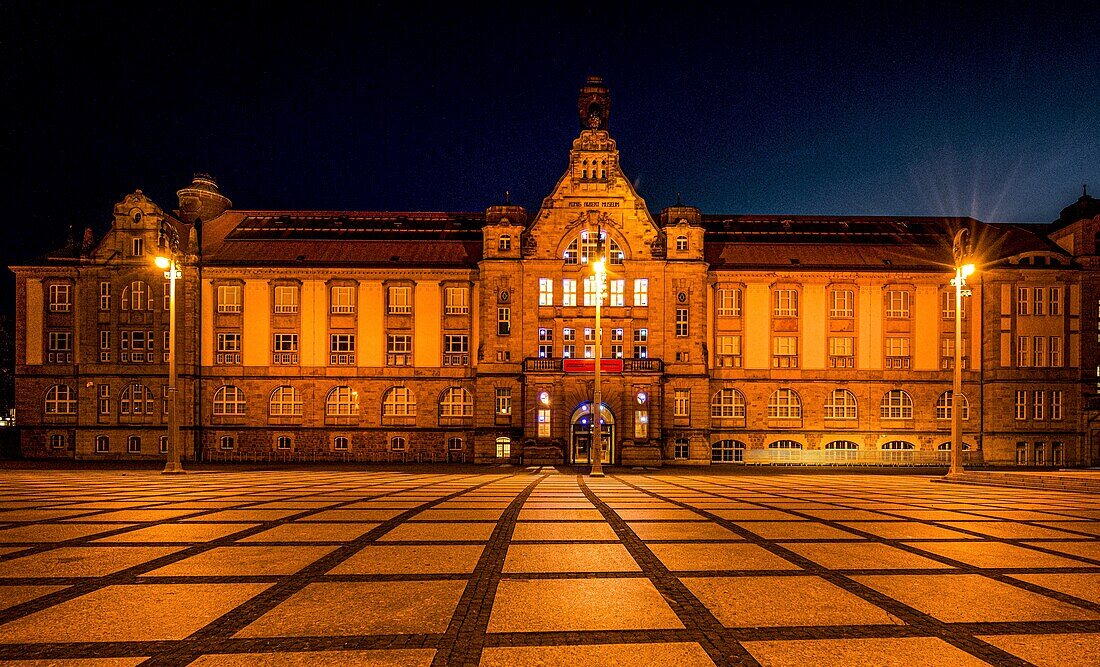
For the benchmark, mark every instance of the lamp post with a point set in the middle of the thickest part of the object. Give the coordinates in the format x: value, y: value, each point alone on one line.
x: 173, y: 465
x: 597, y: 398
x: 960, y: 252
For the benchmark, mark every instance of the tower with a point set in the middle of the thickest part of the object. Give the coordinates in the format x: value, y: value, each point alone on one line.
x: 594, y: 105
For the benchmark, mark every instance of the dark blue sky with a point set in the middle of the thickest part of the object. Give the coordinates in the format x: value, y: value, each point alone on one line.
x: 767, y: 108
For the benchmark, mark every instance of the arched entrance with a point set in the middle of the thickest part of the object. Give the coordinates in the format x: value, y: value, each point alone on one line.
x: 580, y: 434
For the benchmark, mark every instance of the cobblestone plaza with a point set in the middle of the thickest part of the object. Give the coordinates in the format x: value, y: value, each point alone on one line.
x: 520, y: 566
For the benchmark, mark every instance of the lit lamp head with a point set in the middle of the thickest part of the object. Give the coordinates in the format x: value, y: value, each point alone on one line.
x: 162, y: 262
x: 966, y: 270
x: 597, y: 266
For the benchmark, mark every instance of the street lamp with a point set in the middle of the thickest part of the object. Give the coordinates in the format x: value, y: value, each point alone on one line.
x: 963, y: 268
x: 597, y: 398
x: 171, y: 272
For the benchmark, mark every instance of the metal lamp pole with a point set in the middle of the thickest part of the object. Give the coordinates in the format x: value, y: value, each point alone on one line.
x: 597, y: 398
x: 962, y: 270
x: 173, y: 465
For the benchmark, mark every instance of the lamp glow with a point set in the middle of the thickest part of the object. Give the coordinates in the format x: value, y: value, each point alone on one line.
x: 966, y: 270
x: 162, y: 262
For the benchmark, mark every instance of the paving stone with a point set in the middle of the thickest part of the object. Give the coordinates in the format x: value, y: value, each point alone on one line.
x: 183, y: 533
x: 863, y: 555
x: 440, y: 532
x: 13, y: 595
x: 46, y: 533
x: 899, y: 652
x: 545, y: 531
x: 681, y: 530
x: 243, y: 561
x: 681, y: 557
x: 796, y: 530
x: 569, y: 558
x: 996, y: 554
x: 1085, y: 586
x: 311, y: 532
x: 907, y: 530
x: 559, y: 515
x: 81, y: 561
x: 419, y: 559
x: 1056, y: 650
x: 598, y: 655
x: 406, y: 658
x: 548, y: 605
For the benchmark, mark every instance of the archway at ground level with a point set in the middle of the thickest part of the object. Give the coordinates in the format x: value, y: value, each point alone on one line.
x: 580, y: 433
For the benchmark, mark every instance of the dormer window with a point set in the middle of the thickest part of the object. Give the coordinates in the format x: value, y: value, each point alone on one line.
x: 505, y: 242
x: 137, y: 246
x: 681, y: 243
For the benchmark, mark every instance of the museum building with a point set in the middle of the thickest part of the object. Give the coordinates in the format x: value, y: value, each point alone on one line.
x: 422, y: 336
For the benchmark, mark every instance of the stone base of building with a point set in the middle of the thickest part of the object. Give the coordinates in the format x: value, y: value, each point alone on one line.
x: 542, y: 454
x: 642, y: 455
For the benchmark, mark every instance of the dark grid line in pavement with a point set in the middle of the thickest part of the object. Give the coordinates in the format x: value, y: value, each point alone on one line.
x: 910, y: 615
x: 707, y: 631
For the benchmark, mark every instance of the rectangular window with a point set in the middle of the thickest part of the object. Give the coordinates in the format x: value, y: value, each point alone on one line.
x: 729, y: 302
x: 504, y: 401
x: 641, y: 291
x: 137, y: 246
x: 785, y: 352
x: 504, y: 320
x: 681, y: 406
x: 641, y: 424
x: 1021, y: 404
x: 568, y: 292
x: 786, y: 303
x: 641, y: 343
x: 1037, y: 406
x: 843, y: 304
x: 1055, y: 352
x: 682, y: 322
x: 398, y: 349
x: 680, y: 449
x: 1037, y: 301
x: 897, y: 304
x: 104, y: 295
x: 341, y: 349
x: 400, y: 300
x: 546, y: 292
x: 163, y: 444
x: 229, y: 298
x: 947, y: 305
x: 1023, y: 301
x: 897, y: 352
x: 569, y: 351
x: 1055, y: 301
x: 590, y: 291
x: 61, y: 347
x: 616, y: 343
x: 1038, y: 351
x: 729, y: 352
x: 543, y: 417
x: 617, y: 287
x: 456, y: 350
x: 546, y: 343
x: 947, y: 352
x: 104, y: 346
x: 166, y: 292
x: 228, y: 348
x: 1056, y: 404
x: 286, y: 298
x: 842, y: 350
x: 342, y: 299
x: 284, y: 348
x: 1023, y: 357
x: 457, y: 300
x: 103, y: 402
x: 59, y: 298
x: 133, y: 444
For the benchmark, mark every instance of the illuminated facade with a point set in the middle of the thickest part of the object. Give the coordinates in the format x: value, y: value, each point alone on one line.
x: 462, y: 336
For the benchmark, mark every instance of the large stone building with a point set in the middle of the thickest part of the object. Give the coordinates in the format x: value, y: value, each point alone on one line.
x: 442, y: 336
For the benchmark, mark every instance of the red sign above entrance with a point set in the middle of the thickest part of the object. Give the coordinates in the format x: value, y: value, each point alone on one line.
x: 589, y: 365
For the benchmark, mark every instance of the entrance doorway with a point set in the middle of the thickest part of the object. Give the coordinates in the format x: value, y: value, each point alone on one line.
x: 581, y: 437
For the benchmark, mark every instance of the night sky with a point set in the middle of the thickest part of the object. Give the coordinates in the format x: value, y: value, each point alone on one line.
x: 947, y: 110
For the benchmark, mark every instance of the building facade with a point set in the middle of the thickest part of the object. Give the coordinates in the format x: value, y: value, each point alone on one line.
x: 471, y: 336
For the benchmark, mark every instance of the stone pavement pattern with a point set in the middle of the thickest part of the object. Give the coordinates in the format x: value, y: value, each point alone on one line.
x: 535, y: 566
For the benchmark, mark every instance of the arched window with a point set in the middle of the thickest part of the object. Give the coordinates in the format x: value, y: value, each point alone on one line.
x: 943, y: 405
x: 727, y: 451
x: 228, y: 400
x: 285, y: 401
x: 227, y: 442
x: 785, y: 444
x: 898, y: 445
x: 896, y: 404
x: 397, y: 443
x: 342, y: 402
x: 842, y: 445
x: 340, y: 443
x: 583, y: 248
x: 727, y: 404
x: 454, y: 444
x: 456, y: 402
x: 946, y: 447
x: 681, y: 243
x: 133, y: 444
x: 136, y: 399
x: 841, y: 404
x: 102, y: 444
x: 137, y: 296
x: 785, y: 404
x: 284, y: 442
x: 60, y: 400
x: 504, y: 447
x: 398, y: 402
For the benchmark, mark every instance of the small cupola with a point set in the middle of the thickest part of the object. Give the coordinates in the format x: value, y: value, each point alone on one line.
x: 202, y: 199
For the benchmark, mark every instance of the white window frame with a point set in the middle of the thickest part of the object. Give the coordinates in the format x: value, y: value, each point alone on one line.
x: 897, y: 304
x: 457, y: 300
x: 843, y: 304
x: 456, y: 402
x: 896, y: 404
x: 228, y: 401
x: 285, y: 401
x: 229, y: 299
x: 286, y: 299
x: 398, y: 401
x: 641, y: 292
x: 60, y: 296
x: 342, y: 299
x: 727, y: 403
x: 546, y: 291
x: 399, y: 300
x: 568, y: 292
x: 681, y: 406
x: 504, y: 401
x: 785, y: 403
x: 786, y: 303
x: 617, y: 297
x: 841, y: 404
x: 342, y: 401
x: 729, y: 302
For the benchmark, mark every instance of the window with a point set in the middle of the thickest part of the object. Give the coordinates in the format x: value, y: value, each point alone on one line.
x: 398, y: 349
x: 947, y: 305
x: 841, y: 404
x: 60, y: 344
x: 1037, y: 307
x: 228, y: 348
x: 546, y: 292
x: 504, y: 447
x: 944, y: 405
x: 617, y: 287
x: 166, y: 293
x: 457, y: 300
x: 136, y: 296
x: 785, y: 352
x: 286, y: 298
x: 342, y: 299
x: 641, y: 343
x: 543, y: 419
x: 897, y: 303
x: 641, y: 291
x: 104, y: 346
x: 946, y: 446
x: 568, y: 292
x: 1023, y: 358
x: 285, y: 401
x: 947, y: 352
x: 1023, y: 301
x: 504, y: 242
x: 227, y: 442
x: 454, y: 444
x: 896, y: 404
x: 1055, y: 352
x: 1038, y: 404
x: 591, y: 285
x: 59, y: 298
x: 785, y: 444
x: 1040, y: 453
x: 681, y: 243
x: 342, y: 401
x: 843, y: 303
x: 102, y: 444
x: 57, y: 441
x: 1039, y: 351
x: 456, y: 350
x: 897, y: 352
x: 137, y: 246
x: 1021, y: 404
x: 60, y: 400
x: 341, y: 349
x: 228, y: 400
x: 504, y: 401
x: 898, y: 445
x: 229, y: 298
x: 729, y: 352
x: 398, y: 402
x: 844, y: 445
x: 1056, y: 404
x: 727, y: 451
x: 340, y: 443
x: 641, y: 424
x: 727, y: 404
x: 1021, y: 453
x: 842, y: 351
x: 103, y: 403
x: 1055, y: 302
x: 786, y: 303
x: 104, y: 295
x: 546, y: 343
x: 784, y: 404
x: 681, y: 406
x: 456, y: 402
x: 163, y: 444
x: 504, y: 320
x: 682, y: 322
x: 680, y: 449
x: 1057, y: 458
x: 729, y: 302
x: 284, y: 442
x: 284, y: 348
x: 133, y: 444
x: 136, y: 399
